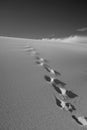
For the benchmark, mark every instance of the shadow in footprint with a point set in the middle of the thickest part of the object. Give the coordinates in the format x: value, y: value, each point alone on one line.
x: 71, y: 107
x: 71, y: 94
x: 41, y: 59
x: 51, y: 71
x: 57, y: 89
x: 39, y: 63
x: 76, y: 119
x: 59, y: 82
x: 47, y: 78
x: 58, y: 102
x: 64, y: 105
x: 54, y: 80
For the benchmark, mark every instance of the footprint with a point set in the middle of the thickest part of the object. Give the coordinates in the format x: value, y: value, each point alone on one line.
x: 71, y: 94
x: 41, y: 59
x: 54, y: 80
x: 47, y: 78
x: 59, y: 82
x: 77, y: 120
x: 64, y: 105
x: 51, y: 71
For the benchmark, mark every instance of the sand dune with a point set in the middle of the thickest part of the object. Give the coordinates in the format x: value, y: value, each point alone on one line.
x: 26, y: 100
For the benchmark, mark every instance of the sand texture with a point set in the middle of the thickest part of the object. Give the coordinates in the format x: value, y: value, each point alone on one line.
x: 26, y: 99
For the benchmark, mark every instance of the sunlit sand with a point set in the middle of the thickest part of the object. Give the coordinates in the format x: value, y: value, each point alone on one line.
x: 26, y: 100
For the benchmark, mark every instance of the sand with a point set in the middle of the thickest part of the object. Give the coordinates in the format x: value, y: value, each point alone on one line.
x: 26, y: 100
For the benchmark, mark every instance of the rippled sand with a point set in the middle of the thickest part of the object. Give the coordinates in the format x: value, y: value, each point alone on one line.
x: 26, y: 100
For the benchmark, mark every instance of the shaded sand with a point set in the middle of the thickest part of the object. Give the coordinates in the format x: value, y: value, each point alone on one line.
x: 26, y: 100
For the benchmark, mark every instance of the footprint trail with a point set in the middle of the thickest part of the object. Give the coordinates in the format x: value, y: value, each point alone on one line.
x: 59, y: 86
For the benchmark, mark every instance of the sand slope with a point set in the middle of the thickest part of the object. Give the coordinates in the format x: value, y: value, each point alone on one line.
x: 26, y: 100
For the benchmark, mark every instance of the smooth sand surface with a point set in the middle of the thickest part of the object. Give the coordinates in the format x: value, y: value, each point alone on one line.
x: 26, y: 100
